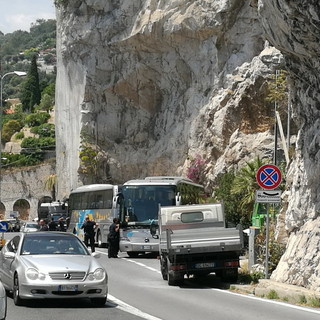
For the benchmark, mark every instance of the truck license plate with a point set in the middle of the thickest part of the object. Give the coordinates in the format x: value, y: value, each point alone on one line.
x: 68, y: 288
x: 204, y: 265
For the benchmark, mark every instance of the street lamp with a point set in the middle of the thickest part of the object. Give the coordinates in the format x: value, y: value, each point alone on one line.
x: 20, y: 74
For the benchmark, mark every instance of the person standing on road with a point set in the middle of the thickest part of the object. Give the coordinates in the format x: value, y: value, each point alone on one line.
x: 43, y: 225
x: 61, y: 226
x: 114, y: 239
x: 52, y: 225
x: 89, y: 231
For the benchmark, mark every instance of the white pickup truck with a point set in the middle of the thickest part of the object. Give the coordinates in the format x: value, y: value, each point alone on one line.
x: 194, y: 240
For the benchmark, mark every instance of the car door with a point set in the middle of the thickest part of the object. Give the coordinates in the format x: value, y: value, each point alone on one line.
x: 6, y: 272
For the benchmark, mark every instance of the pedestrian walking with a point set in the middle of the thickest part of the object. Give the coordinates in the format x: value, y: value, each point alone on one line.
x: 114, y: 238
x: 89, y: 231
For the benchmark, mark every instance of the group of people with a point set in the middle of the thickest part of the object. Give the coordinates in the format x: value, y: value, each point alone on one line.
x: 52, y: 225
x: 89, y: 227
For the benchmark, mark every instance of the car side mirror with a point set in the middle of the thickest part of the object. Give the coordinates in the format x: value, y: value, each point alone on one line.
x: 9, y: 255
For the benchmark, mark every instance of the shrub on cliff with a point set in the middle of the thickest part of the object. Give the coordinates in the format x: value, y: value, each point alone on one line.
x: 10, y: 128
x: 36, y: 119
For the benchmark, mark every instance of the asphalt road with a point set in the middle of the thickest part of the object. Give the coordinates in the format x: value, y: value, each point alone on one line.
x: 137, y: 291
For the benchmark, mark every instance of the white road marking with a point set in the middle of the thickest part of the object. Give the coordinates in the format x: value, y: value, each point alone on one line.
x: 143, y: 265
x: 127, y: 308
x: 137, y: 263
x: 288, y: 305
x: 292, y: 306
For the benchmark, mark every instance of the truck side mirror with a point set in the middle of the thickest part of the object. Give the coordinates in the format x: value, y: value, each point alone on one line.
x: 153, y: 231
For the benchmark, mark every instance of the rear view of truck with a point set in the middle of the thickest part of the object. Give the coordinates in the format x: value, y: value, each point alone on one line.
x: 195, y: 241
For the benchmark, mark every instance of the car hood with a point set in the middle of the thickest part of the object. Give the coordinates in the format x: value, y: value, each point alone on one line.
x: 57, y: 262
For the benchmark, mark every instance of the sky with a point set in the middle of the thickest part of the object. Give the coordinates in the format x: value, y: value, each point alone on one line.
x: 19, y: 14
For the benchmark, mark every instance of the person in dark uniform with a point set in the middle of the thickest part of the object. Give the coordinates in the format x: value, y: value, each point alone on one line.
x: 61, y: 225
x: 114, y: 239
x: 52, y: 225
x: 89, y: 231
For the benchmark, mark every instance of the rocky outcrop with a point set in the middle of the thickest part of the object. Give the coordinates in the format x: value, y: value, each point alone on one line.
x: 149, y: 84
x: 295, y: 30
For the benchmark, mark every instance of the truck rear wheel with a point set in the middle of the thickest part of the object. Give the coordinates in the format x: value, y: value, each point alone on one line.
x: 174, y: 278
x: 164, y: 268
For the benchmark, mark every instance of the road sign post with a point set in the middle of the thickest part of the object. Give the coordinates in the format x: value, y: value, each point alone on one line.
x: 268, y: 178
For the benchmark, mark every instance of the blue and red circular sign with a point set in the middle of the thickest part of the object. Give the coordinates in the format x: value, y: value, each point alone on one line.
x: 268, y: 176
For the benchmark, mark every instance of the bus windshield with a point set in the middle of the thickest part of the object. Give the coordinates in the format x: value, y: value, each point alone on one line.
x: 141, y: 202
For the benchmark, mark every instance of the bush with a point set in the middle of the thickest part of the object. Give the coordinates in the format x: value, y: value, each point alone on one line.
x: 36, y: 119
x: 10, y: 128
x: 196, y: 170
x: 19, y: 135
x: 272, y: 294
x: 18, y: 160
x: 33, y: 144
x: 44, y: 130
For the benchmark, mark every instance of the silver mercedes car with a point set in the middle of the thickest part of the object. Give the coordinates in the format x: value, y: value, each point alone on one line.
x: 47, y: 264
x: 3, y: 303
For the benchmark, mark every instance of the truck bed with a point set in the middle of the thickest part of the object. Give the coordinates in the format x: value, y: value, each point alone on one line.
x: 200, y: 240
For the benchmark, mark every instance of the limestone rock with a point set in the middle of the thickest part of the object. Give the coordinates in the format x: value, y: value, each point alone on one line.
x: 294, y: 29
x: 148, y: 84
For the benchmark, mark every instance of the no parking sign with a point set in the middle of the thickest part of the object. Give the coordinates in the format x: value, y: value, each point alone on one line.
x: 268, y: 176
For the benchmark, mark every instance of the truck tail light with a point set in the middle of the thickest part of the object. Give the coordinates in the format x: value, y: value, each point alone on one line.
x: 231, y: 264
x: 177, y: 267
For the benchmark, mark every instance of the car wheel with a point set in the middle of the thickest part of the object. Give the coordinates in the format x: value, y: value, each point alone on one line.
x: 100, y: 302
x: 16, y: 292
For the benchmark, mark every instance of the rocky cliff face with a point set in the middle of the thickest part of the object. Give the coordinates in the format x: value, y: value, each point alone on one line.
x: 295, y: 30
x: 150, y: 84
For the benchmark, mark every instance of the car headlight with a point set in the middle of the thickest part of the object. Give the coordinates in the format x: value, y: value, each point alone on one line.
x: 98, y: 274
x: 34, y: 274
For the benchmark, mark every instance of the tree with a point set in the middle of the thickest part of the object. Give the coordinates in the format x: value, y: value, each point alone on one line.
x: 46, y: 103
x: 9, y: 128
x: 222, y: 193
x: 245, y: 184
x: 31, y: 94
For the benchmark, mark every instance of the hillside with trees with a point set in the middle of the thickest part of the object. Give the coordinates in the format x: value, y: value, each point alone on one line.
x: 27, y: 100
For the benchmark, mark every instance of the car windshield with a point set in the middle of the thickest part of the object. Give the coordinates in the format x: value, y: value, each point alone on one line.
x: 32, y: 225
x: 53, y: 245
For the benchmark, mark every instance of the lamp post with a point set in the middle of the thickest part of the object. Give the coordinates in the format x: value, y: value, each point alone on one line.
x: 20, y: 74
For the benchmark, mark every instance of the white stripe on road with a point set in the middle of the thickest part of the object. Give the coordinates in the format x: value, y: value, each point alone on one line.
x: 127, y: 308
x: 288, y: 305
x: 137, y: 263
x: 116, y: 303
x: 143, y: 265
